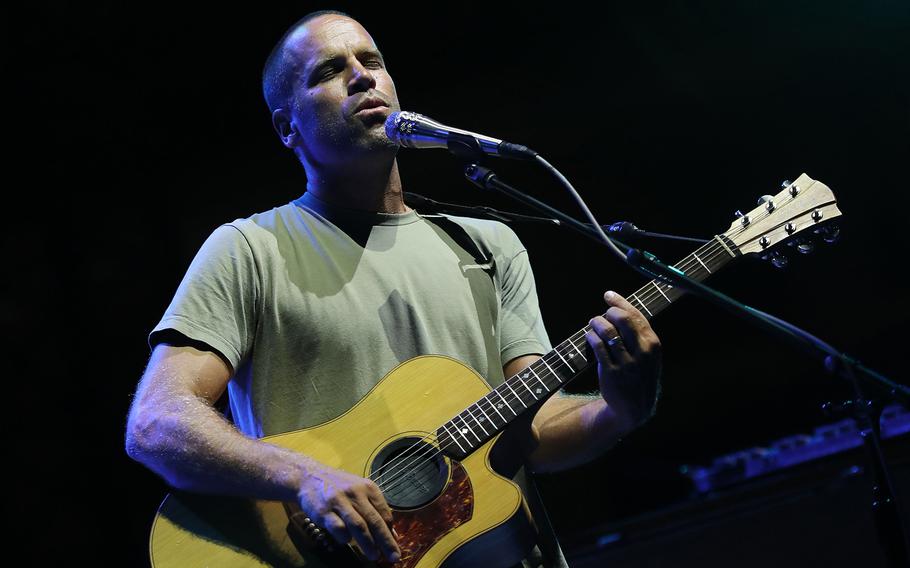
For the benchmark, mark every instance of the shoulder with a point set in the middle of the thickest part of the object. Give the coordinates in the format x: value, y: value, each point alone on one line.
x: 265, y: 228
x: 492, y: 235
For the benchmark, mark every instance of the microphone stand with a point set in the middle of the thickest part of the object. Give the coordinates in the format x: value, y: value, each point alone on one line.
x: 417, y: 200
x: 621, y: 228
x: 891, y: 528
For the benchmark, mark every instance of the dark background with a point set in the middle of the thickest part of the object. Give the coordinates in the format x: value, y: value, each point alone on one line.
x: 137, y: 131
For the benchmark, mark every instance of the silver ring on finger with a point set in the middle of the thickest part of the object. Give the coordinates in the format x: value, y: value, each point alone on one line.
x: 615, y: 341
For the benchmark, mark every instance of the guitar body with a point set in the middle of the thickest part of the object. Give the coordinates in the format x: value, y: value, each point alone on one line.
x: 447, y: 513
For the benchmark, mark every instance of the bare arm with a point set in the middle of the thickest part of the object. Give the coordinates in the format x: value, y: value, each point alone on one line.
x: 568, y: 430
x: 571, y: 430
x: 174, y: 430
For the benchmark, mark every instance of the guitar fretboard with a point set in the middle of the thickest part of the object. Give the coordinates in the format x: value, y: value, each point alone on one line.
x: 534, y: 384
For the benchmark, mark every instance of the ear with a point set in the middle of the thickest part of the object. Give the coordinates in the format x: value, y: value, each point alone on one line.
x: 287, y: 132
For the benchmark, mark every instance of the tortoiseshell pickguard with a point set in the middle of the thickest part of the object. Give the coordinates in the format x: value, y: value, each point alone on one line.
x: 421, y: 528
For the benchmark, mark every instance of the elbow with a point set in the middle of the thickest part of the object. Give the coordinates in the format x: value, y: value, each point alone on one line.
x: 149, y: 441
x: 139, y: 433
x: 143, y: 443
x: 143, y: 430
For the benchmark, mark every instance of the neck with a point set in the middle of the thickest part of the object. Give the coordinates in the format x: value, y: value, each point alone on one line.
x: 376, y: 189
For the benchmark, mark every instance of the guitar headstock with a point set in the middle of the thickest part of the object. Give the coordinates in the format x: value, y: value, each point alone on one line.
x: 803, y: 208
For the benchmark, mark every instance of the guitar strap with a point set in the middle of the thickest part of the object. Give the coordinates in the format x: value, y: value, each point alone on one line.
x: 456, y: 232
x: 548, y: 545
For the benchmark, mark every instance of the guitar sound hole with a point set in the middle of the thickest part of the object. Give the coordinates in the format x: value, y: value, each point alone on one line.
x: 410, y: 472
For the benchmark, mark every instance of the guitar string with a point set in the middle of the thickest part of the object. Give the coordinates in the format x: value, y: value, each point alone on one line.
x: 429, y: 451
x: 710, y: 256
x: 719, y: 250
x: 425, y: 453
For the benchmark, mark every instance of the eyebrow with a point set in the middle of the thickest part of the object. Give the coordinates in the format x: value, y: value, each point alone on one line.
x: 333, y: 58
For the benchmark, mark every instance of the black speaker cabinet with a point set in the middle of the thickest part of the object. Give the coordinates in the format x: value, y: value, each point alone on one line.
x: 816, y: 515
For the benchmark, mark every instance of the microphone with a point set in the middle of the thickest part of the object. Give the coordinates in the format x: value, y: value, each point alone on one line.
x: 624, y: 229
x: 413, y: 130
x: 627, y: 230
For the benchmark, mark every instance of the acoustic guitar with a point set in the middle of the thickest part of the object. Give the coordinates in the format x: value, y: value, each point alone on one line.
x: 431, y: 456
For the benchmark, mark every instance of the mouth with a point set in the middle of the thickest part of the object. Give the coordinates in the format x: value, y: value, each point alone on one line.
x: 372, y: 112
x: 371, y: 106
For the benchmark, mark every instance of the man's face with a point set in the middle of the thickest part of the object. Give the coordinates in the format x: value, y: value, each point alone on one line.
x: 339, y: 70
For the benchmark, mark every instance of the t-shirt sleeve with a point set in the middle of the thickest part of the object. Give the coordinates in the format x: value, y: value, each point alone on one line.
x: 522, y: 330
x: 215, y: 302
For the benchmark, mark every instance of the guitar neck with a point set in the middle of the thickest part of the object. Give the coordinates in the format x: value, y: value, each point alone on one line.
x: 527, y: 389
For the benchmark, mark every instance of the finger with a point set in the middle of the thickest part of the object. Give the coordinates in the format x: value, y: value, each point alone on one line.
x: 382, y: 507
x: 638, y: 335
x: 380, y: 530
x: 359, y: 529
x: 379, y: 502
x: 621, y: 321
x: 635, y: 316
x: 613, y: 340
x: 333, y: 524
x: 631, y: 325
x: 614, y: 299
x: 598, y: 345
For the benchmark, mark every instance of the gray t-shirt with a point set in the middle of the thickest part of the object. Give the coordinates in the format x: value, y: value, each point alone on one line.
x: 313, y: 304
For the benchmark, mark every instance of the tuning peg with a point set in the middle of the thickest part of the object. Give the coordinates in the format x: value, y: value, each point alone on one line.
x: 766, y: 200
x: 776, y: 259
x: 805, y: 247
x: 830, y: 233
x: 794, y: 189
x: 742, y: 216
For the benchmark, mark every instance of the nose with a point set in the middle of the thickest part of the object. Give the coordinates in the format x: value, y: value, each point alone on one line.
x: 361, y: 79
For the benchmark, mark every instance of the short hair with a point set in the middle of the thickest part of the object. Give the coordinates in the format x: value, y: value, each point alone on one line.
x: 276, y: 84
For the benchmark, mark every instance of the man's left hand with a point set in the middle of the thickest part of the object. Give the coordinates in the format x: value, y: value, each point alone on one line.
x: 628, y: 361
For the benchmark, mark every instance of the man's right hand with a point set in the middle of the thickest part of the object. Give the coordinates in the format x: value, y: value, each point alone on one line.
x: 348, y: 506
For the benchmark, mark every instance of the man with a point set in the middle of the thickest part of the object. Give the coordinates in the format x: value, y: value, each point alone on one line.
x: 300, y: 310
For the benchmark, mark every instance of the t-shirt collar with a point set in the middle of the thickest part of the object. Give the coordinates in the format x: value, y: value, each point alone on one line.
x: 338, y: 214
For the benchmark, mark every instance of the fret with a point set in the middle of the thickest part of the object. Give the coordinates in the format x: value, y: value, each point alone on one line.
x: 642, y: 304
x: 536, y: 376
x: 571, y: 368
x: 549, y: 368
x: 656, y: 285
x: 509, y: 406
x: 504, y: 421
x: 527, y: 387
x: 445, y: 427
x: 480, y: 408
x: 539, y: 380
x: 468, y: 428
x: 516, y: 394
x: 572, y: 343
x: 476, y: 421
x: 702, y: 263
